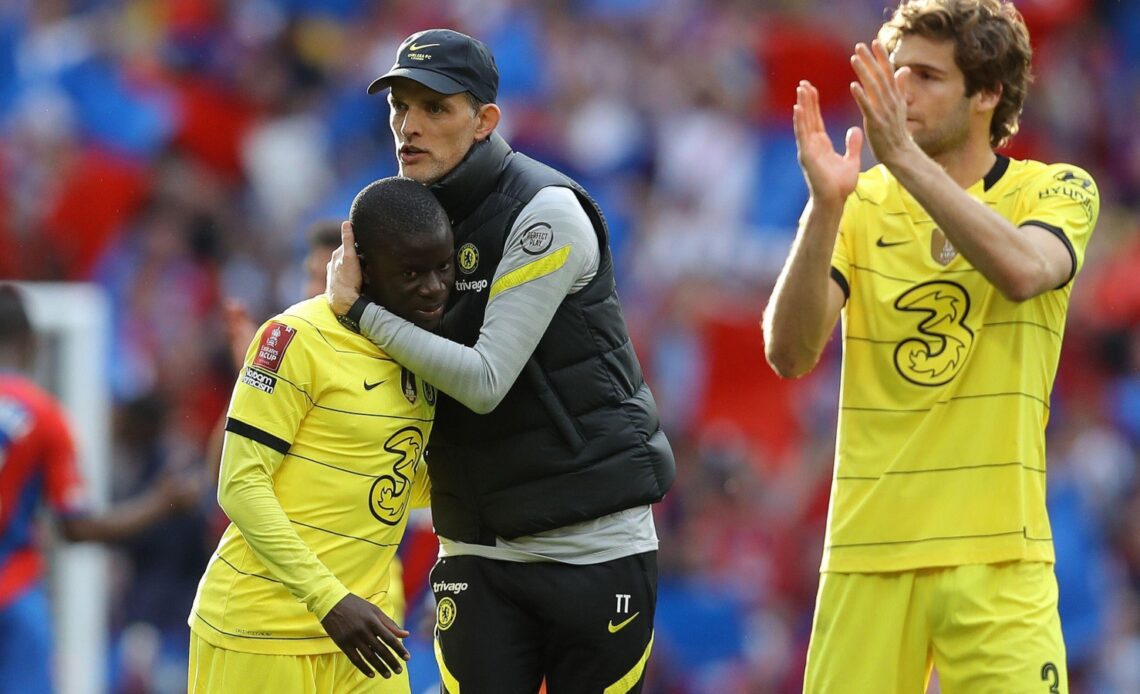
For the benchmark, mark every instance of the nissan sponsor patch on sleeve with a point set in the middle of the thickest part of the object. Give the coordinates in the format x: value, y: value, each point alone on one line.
x: 254, y: 378
x: 537, y: 238
x: 275, y: 340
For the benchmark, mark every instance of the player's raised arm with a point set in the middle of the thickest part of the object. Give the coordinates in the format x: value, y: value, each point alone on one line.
x: 1022, y: 262
x: 805, y: 302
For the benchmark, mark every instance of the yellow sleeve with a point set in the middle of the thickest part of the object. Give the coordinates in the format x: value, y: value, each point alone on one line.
x: 1065, y: 201
x: 245, y: 492
x: 269, y: 402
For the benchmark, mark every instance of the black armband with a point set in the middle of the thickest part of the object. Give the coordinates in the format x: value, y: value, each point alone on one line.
x: 351, y: 320
x: 356, y: 311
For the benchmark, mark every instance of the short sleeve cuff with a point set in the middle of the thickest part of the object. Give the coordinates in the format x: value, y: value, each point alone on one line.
x: 841, y: 281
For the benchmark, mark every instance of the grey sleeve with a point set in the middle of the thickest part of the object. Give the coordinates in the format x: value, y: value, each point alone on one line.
x: 529, y: 285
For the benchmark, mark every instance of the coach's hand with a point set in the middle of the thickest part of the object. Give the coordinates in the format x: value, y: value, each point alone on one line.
x: 369, y: 638
x: 342, y: 274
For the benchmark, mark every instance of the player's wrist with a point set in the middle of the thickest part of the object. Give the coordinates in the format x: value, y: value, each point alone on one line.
x: 902, y: 158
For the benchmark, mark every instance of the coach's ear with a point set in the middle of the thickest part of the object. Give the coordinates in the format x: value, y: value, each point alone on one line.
x: 488, y: 119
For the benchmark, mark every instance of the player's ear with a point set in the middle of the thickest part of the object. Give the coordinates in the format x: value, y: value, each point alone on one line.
x: 987, y: 98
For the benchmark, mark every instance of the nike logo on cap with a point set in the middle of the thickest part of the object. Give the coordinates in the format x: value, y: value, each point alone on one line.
x: 883, y: 243
x: 370, y: 386
x: 414, y: 47
x: 615, y: 628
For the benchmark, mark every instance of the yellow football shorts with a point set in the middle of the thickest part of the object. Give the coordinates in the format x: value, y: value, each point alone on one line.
x: 221, y: 671
x: 984, y: 627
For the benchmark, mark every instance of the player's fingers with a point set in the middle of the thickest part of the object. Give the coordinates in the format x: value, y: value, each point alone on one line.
x: 814, y: 117
x: 391, y: 643
x: 854, y: 143
x: 862, y: 101
x: 380, y: 658
x: 801, y: 120
x: 877, y: 80
x: 358, y: 662
x: 863, y: 72
x: 902, y: 79
x: 885, y: 74
x: 396, y: 629
x: 797, y: 125
x: 881, y: 58
x: 875, y: 61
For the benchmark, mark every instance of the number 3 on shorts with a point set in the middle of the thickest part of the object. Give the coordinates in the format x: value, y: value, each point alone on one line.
x: 1050, y: 674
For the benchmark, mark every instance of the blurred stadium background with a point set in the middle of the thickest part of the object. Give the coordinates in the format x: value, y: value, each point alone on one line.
x: 170, y: 154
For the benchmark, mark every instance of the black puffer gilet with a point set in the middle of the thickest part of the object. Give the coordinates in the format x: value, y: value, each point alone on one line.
x: 578, y: 435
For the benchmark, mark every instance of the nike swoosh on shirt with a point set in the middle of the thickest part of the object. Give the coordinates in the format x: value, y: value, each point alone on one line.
x: 883, y: 243
x: 615, y: 628
x: 414, y: 47
x: 370, y: 386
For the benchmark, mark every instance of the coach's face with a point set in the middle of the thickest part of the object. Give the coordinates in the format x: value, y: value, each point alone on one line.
x: 434, y: 131
x: 411, y: 275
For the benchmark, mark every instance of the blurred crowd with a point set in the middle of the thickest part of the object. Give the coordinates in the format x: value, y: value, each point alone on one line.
x: 175, y: 151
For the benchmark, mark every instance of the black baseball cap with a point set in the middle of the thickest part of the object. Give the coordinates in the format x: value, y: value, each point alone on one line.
x: 445, y: 61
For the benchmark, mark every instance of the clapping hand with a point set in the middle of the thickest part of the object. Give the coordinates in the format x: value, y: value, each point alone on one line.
x: 881, y: 96
x: 830, y: 176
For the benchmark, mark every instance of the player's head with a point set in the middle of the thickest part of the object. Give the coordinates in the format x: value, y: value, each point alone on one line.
x: 405, y: 245
x: 17, y: 337
x: 442, y: 95
x: 991, y: 49
x: 321, y: 239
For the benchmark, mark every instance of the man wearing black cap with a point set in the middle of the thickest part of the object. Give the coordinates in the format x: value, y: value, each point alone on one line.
x: 548, y: 453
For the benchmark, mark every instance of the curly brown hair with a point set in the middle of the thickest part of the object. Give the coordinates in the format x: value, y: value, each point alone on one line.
x: 991, y: 48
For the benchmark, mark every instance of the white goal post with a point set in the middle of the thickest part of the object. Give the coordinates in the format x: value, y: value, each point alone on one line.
x: 73, y: 322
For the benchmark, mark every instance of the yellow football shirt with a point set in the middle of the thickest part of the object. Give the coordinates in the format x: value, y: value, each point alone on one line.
x: 323, y: 458
x: 944, y: 396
